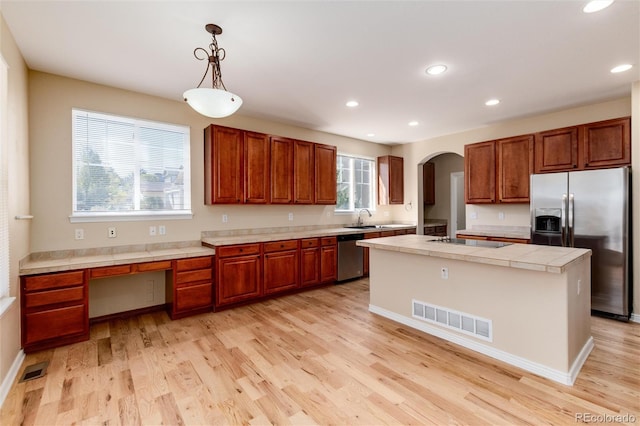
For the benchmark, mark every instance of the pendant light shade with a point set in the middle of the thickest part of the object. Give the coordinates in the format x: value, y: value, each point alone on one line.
x: 216, y: 102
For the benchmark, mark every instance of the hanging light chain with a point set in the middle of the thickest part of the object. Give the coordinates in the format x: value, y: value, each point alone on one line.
x: 217, y: 55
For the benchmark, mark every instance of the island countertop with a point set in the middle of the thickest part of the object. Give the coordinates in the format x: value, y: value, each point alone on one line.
x: 523, y: 256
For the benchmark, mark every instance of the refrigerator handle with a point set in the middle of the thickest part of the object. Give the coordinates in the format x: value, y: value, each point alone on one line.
x: 563, y: 221
x: 571, y: 221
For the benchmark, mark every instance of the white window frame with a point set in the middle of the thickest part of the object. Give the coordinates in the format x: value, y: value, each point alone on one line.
x: 352, y: 209
x: 5, y: 267
x: 137, y: 214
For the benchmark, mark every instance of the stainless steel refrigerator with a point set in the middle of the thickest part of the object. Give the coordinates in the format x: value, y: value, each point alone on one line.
x: 589, y: 209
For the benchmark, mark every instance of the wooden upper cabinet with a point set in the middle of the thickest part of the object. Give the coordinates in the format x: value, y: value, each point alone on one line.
x: 515, y: 166
x: 480, y: 173
x: 303, y: 172
x: 587, y: 146
x: 606, y: 143
x: 256, y: 168
x: 223, y: 168
x: 428, y: 184
x: 325, y: 174
x: 556, y: 150
x: 390, y: 180
x: 281, y: 170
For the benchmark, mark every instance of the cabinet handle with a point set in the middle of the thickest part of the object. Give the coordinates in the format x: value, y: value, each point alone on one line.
x: 281, y: 245
x: 241, y: 250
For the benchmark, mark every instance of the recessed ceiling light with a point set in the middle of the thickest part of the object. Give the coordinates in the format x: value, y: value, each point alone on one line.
x: 621, y: 68
x: 413, y: 123
x: 352, y: 104
x: 492, y: 102
x: 596, y: 5
x: 371, y: 135
x: 436, y: 69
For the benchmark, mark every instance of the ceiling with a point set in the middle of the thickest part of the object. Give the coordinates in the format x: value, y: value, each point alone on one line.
x: 299, y: 62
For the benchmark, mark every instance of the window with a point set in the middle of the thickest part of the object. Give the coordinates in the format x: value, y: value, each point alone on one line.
x: 5, y: 300
x: 355, y: 179
x: 125, y: 167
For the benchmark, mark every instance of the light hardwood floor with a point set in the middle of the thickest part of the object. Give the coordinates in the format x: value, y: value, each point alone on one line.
x: 314, y: 358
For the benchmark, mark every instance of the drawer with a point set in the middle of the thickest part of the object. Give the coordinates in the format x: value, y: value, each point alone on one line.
x: 108, y: 271
x: 55, y: 323
x: 327, y: 241
x: 193, y: 276
x: 387, y: 233
x: 280, y: 246
x: 371, y: 235
x: 153, y: 266
x: 309, y: 242
x: 238, y: 250
x: 192, y: 297
x: 194, y: 263
x: 50, y: 297
x: 62, y: 279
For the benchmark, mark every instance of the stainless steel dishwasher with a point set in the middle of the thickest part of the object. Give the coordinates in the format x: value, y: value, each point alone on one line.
x: 349, y: 257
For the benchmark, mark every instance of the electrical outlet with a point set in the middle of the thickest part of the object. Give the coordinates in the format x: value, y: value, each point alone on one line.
x: 79, y: 234
x: 225, y: 218
x: 444, y: 273
x: 473, y: 215
x: 162, y: 230
x: 500, y: 215
x: 111, y: 232
x: 290, y: 216
x: 152, y: 231
x: 579, y: 286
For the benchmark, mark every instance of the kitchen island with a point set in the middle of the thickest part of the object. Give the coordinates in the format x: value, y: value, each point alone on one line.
x: 523, y: 304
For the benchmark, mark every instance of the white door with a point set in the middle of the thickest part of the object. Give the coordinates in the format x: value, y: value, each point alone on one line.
x: 458, y: 216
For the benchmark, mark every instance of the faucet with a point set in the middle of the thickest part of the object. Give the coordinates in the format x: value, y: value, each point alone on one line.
x: 359, y: 223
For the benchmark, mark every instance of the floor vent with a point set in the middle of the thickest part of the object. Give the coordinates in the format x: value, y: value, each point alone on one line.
x: 34, y: 371
x: 469, y: 324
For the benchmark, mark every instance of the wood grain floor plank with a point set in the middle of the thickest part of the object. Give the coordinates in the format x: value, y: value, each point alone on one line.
x: 318, y: 357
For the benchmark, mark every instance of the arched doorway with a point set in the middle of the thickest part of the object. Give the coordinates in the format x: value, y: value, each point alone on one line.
x: 441, y: 200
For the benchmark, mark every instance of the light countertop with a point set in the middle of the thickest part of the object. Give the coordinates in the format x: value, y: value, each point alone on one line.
x: 519, y: 232
x: 67, y: 260
x: 523, y: 256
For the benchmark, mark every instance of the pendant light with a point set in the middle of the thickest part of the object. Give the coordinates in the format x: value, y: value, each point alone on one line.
x: 216, y: 102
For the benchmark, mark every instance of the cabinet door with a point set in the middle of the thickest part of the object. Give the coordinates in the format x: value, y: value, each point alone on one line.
x: 428, y: 184
x: 281, y: 170
x: 223, y: 164
x: 556, y: 150
x: 281, y: 271
x: 309, y: 266
x: 515, y: 166
x: 390, y: 180
x: 480, y: 173
x: 256, y: 168
x: 365, y: 253
x: 325, y: 175
x: 303, y: 172
x: 328, y: 263
x: 238, y: 279
x: 606, y: 143
x: 192, y: 297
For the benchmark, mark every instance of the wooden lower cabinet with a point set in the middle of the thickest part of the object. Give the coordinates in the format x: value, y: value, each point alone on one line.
x: 328, y: 259
x: 281, y: 266
x: 437, y: 230
x: 309, y: 262
x: 365, y: 253
x: 238, y: 274
x: 55, y: 309
x: 190, y: 286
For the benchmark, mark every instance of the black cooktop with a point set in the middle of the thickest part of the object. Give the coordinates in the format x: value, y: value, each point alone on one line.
x: 474, y: 243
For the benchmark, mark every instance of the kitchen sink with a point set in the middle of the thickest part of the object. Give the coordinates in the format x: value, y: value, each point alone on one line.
x: 363, y: 226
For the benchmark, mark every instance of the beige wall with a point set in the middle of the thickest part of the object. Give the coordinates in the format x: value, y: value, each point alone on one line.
x: 17, y: 148
x: 52, y: 98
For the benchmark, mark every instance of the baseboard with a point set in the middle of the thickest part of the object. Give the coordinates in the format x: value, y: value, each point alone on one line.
x: 128, y: 314
x: 566, y: 378
x: 635, y: 318
x: 11, y: 376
